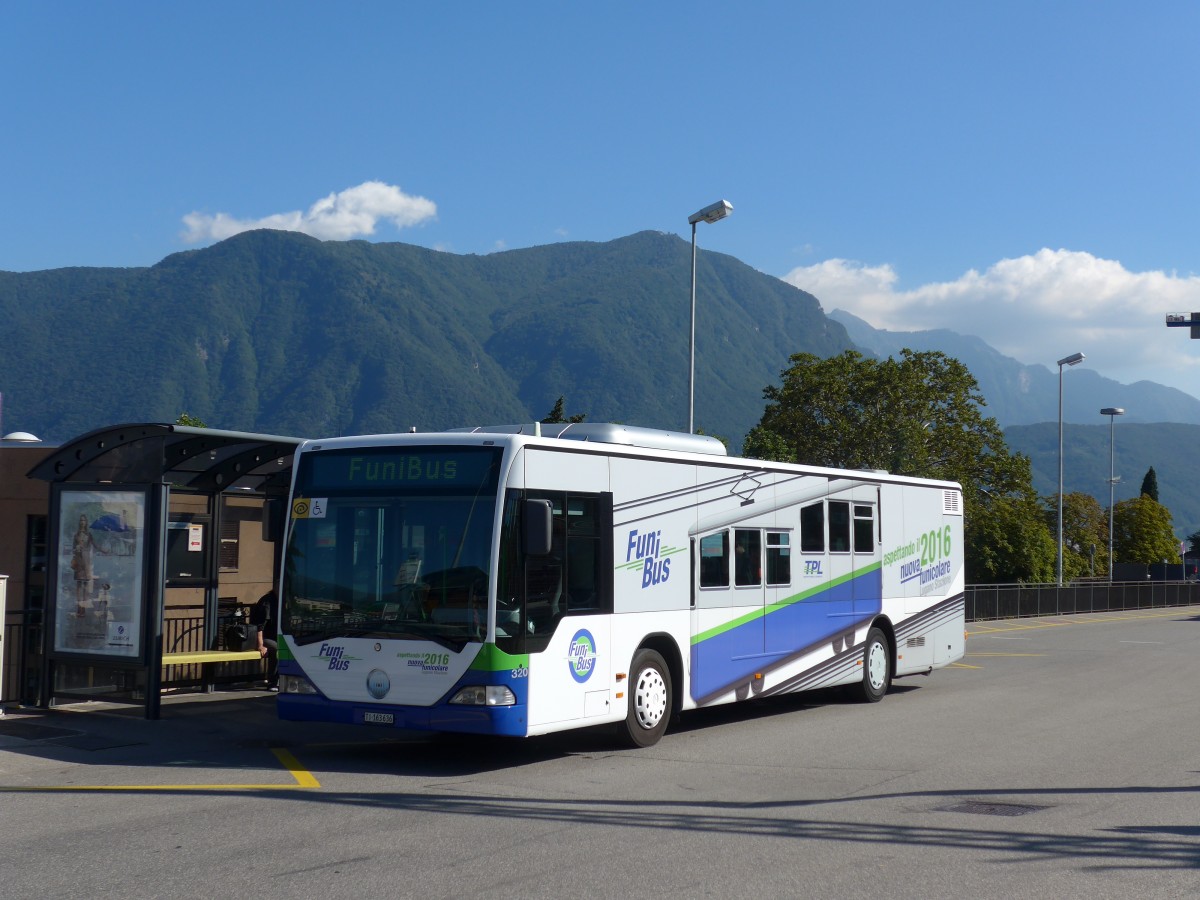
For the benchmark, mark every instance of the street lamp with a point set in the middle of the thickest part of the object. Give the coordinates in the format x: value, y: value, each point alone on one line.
x: 1112, y: 412
x: 713, y: 213
x: 1073, y: 360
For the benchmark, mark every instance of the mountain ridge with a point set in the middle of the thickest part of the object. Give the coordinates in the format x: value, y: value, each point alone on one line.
x: 1020, y: 394
x: 279, y: 332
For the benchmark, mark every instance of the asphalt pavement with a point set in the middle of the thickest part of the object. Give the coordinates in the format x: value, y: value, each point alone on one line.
x: 1060, y: 757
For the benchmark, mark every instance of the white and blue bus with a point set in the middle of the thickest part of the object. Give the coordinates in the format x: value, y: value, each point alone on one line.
x: 524, y: 580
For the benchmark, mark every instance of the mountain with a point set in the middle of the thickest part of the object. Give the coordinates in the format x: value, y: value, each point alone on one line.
x: 1018, y: 394
x: 277, y: 332
x: 1170, y: 448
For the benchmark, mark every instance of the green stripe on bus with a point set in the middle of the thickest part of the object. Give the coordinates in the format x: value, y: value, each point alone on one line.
x: 787, y: 601
x: 492, y: 659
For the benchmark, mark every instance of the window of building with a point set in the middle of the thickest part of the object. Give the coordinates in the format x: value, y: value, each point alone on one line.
x: 229, y: 552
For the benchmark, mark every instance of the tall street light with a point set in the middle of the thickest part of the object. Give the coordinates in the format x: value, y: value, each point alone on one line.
x: 713, y: 213
x: 1112, y: 412
x: 1073, y: 360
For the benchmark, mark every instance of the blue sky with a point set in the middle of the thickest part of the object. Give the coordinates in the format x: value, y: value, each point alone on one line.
x: 1022, y: 171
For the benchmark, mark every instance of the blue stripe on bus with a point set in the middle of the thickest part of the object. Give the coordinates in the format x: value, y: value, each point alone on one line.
x: 511, y: 721
x: 730, y: 659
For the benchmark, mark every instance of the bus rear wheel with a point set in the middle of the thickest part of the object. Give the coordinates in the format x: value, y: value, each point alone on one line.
x: 877, y: 667
x: 650, y: 700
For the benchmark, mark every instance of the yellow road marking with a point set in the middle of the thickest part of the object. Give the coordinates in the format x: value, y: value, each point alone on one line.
x: 304, y: 781
x: 957, y: 665
x: 998, y: 653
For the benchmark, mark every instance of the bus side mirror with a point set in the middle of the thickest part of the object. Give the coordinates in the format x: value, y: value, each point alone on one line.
x: 538, y: 527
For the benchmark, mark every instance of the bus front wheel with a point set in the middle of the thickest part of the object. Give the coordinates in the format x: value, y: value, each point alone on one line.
x: 649, y: 699
x: 877, y: 667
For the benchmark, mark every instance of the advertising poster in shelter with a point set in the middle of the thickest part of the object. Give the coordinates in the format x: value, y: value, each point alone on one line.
x: 100, y: 570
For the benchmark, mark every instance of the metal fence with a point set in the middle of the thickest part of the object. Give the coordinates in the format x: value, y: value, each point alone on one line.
x: 23, y: 659
x: 1017, y: 601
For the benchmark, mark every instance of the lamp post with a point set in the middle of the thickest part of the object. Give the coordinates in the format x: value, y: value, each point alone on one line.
x: 1112, y: 412
x: 714, y: 212
x: 1073, y: 360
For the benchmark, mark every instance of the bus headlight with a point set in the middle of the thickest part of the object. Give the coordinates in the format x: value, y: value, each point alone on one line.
x: 293, y: 684
x: 485, y: 695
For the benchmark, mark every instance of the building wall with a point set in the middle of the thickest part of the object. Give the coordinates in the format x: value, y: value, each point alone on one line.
x: 20, y: 498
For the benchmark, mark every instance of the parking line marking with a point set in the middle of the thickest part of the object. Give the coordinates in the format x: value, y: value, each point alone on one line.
x: 305, y: 781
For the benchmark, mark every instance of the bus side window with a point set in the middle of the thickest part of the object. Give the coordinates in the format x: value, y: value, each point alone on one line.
x: 779, y: 558
x: 747, y: 546
x: 839, y: 526
x: 864, y: 529
x: 714, y: 560
x: 812, y: 528
x: 583, y: 554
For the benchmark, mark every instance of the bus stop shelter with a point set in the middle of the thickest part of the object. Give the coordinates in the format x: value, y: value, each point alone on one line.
x: 135, y: 511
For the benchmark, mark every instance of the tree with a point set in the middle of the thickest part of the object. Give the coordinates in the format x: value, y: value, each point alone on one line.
x: 1085, y: 534
x: 556, y: 416
x: 1193, y: 540
x: 189, y: 420
x: 1142, y: 532
x: 918, y: 415
x: 1150, y: 485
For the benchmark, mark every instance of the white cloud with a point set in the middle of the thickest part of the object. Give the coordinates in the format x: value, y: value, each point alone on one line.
x: 1036, y: 308
x: 351, y: 213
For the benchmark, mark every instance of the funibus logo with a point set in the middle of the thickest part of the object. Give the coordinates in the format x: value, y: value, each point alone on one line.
x: 645, y: 554
x: 581, y: 656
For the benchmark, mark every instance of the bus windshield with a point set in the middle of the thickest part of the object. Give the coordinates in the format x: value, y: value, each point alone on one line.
x: 391, y: 542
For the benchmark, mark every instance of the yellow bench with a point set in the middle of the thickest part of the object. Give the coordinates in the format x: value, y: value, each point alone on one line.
x: 188, y: 657
x: 206, y: 658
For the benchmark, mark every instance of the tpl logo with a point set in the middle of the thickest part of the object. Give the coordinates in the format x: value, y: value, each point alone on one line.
x: 812, y: 567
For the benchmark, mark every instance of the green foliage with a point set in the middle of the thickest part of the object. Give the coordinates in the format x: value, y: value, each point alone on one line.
x: 1150, y: 485
x: 1193, y: 541
x: 190, y: 421
x: 279, y: 333
x: 1142, y: 532
x: 1085, y: 535
x: 918, y: 415
x: 557, y: 417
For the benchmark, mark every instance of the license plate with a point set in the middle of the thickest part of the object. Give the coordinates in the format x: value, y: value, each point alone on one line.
x: 378, y: 718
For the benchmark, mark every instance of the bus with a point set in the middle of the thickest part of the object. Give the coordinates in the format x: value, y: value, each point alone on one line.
x: 530, y: 579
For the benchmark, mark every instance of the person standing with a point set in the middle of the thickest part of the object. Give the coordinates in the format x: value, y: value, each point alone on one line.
x: 263, y: 615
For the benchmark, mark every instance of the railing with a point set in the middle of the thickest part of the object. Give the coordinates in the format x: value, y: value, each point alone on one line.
x: 1018, y: 601
x: 185, y: 634
x: 23, y: 656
